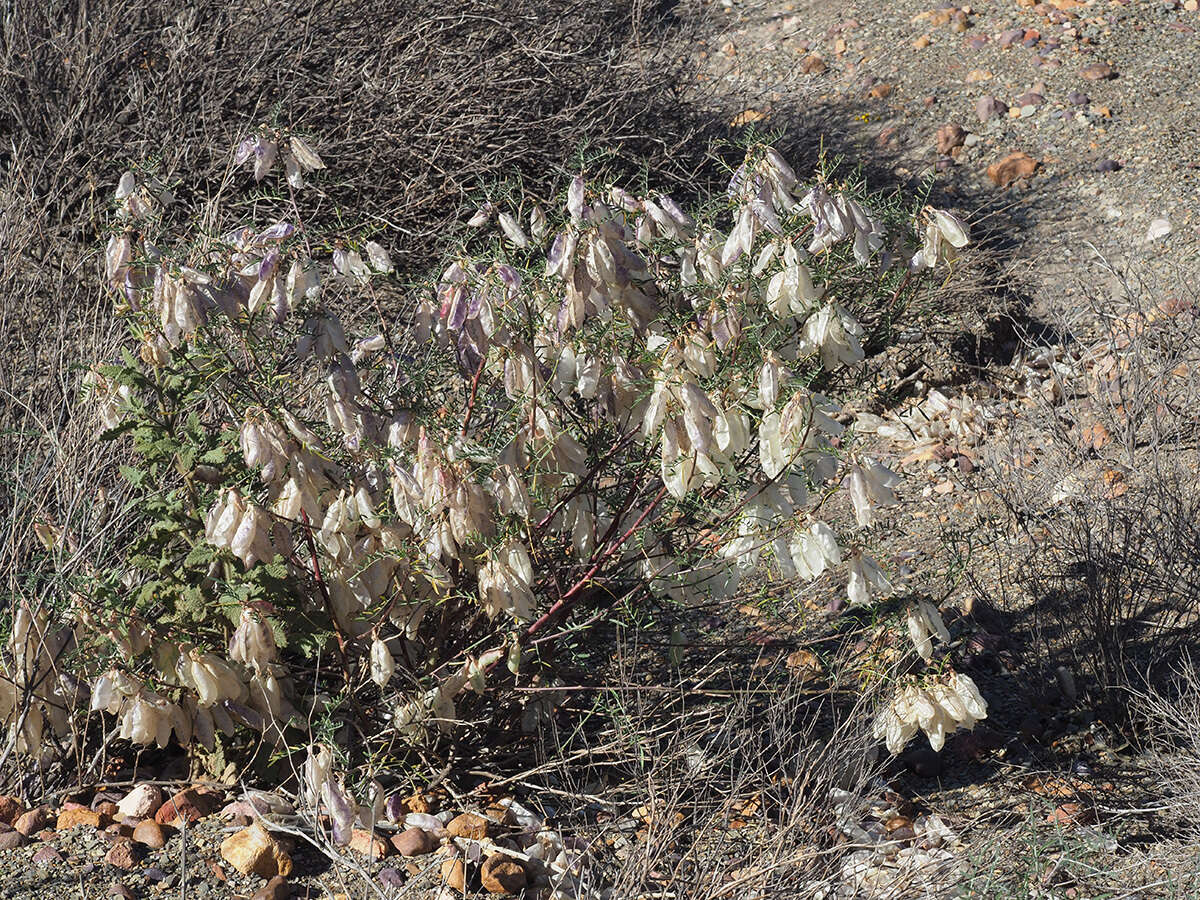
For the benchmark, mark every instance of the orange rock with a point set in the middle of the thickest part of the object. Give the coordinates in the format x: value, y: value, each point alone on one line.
x: 69, y: 818
x: 502, y: 874
x: 454, y: 874
x: 471, y: 826
x: 191, y: 804
x: 369, y: 844
x: 1012, y: 168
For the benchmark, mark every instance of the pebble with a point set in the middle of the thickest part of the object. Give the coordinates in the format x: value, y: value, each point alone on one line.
x: 392, y: 878
x: 1108, y: 165
x: 949, y: 137
x: 275, y: 889
x: 124, y: 854
x: 1011, y: 36
x: 190, y: 804
x: 47, y: 855
x: 1077, y: 98
x: 414, y: 842
x: 10, y: 840
x: 369, y: 844
x: 1159, y: 228
x: 144, y: 800
x: 502, y: 874
x: 1030, y: 98
x: 454, y: 874
x: 33, y: 821
x: 119, y: 890
x: 471, y: 826
x: 1012, y: 168
x: 1097, y: 72
x: 254, y: 849
x: 989, y: 107
x: 70, y: 818
x: 154, y: 874
x: 10, y: 809
x: 151, y: 834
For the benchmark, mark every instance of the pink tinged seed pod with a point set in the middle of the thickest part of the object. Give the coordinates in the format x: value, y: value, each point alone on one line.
x: 244, y: 150
x: 575, y: 199
x: 265, y: 154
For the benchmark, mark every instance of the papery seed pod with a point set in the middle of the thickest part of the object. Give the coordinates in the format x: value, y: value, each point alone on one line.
x: 380, y: 261
x: 512, y: 230
x: 253, y: 642
x: 265, y: 154
x: 575, y: 198
x: 382, y: 664
x: 537, y: 224
x: 305, y: 154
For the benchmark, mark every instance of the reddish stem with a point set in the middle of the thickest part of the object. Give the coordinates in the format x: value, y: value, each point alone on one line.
x: 572, y: 595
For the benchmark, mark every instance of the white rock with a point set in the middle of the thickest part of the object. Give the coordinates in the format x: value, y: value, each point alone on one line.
x: 1158, y: 228
x: 143, y: 801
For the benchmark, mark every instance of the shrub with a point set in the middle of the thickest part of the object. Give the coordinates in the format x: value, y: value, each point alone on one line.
x: 594, y: 403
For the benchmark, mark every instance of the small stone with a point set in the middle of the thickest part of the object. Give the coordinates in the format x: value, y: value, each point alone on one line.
x: 11, y: 840
x: 254, y: 850
x: 190, y: 804
x: 1159, y: 228
x: 1028, y: 110
x: 977, y: 41
x: 1030, y: 98
x: 1097, y: 72
x: 392, y: 878
x: 880, y: 91
x: 415, y: 842
x: 369, y: 844
x: 813, y: 65
x: 922, y: 42
x: 10, y: 809
x: 1012, y: 168
x: 1071, y: 814
x: 988, y: 108
x: 155, y: 874
x: 240, y: 820
x: 46, y: 856
x: 1077, y: 98
x: 454, y: 874
x: 70, y: 818
x: 889, y: 136
x: 144, y: 800
x: 977, y: 75
x: 116, y: 889
x: 275, y: 889
x: 471, y: 826
x: 33, y: 821
x: 1011, y: 36
x: 501, y: 874
x: 1108, y: 165
x: 950, y: 136
x: 151, y: 834
x: 107, y: 810
x: 124, y: 854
